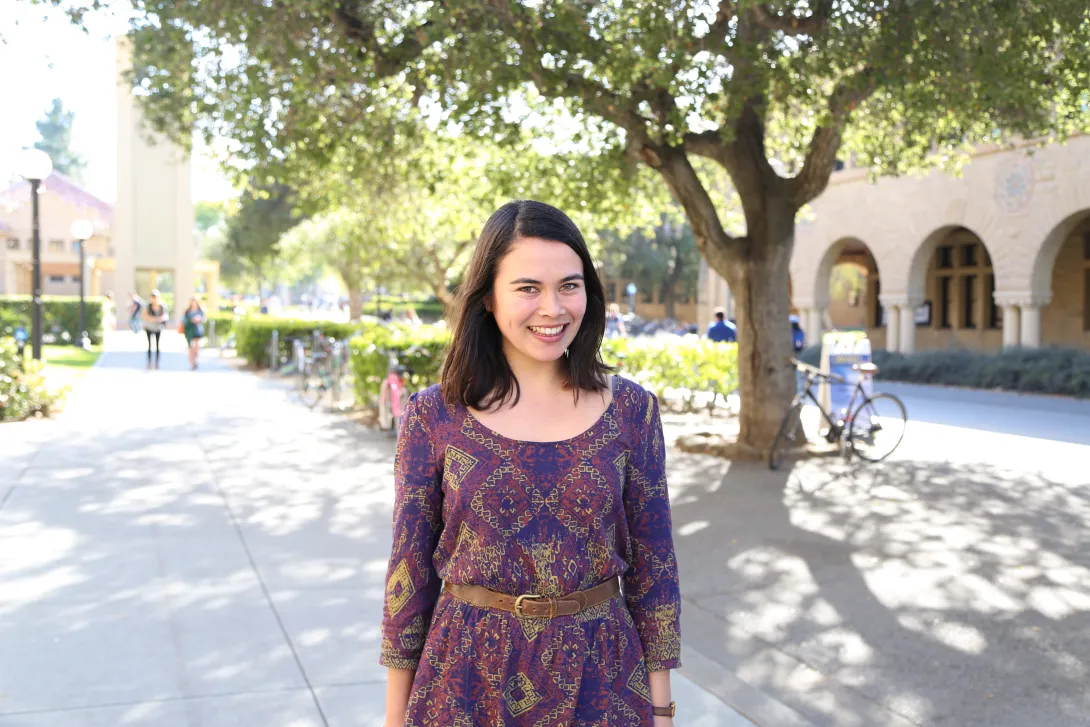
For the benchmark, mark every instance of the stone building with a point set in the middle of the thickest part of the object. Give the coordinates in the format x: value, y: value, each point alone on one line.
x: 999, y: 256
x: 144, y: 241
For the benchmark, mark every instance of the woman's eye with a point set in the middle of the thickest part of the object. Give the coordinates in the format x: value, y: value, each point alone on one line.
x: 570, y: 286
x: 527, y: 289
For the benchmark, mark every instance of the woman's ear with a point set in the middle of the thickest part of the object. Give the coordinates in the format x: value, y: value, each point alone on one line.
x: 488, y: 302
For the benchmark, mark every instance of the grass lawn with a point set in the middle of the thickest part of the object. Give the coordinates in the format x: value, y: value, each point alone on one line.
x: 66, y: 365
x: 69, y: 357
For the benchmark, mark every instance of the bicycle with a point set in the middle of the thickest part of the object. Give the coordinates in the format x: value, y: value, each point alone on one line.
x: 872, y: 430
x: 323, y: 370
x: 393, y: 397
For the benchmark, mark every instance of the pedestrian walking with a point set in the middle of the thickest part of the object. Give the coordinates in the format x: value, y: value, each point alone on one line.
x: 614, y: 322
x: 136, y: 306
x: 722, y: 331
x: 532, y: 579
x: 193, y: 329
x: 154, y: 319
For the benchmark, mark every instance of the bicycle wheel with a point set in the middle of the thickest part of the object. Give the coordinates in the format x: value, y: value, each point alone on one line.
x: 791, y: 435
x: 312, y: 387
x: 877, y: 427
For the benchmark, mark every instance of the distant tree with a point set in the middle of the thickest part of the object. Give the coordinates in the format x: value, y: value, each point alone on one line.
x: 251, y: 244
x: 665, y: 258
x: 56, y: 132
x: 207, y: 215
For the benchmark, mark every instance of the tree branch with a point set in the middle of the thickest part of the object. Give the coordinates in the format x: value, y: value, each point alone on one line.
x: 717, y: 32
x: 673, y: 164
x: 388, y: 60
x: 791, y: 24
x: 825, y: 142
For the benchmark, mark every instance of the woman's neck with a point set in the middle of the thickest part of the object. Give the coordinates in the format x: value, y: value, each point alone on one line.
x: 537, y: 379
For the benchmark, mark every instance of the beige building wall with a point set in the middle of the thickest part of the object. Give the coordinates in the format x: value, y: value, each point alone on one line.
x: 154, y: 209
x: 60, y: 203
x: 1028, y: 210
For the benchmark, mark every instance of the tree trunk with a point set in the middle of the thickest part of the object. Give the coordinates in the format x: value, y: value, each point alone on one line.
x: 355, y: 302
x: 668, y: 297
x: 758, y: 282
x: 443, y: 294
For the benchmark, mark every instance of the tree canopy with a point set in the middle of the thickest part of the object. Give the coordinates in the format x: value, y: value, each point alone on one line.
x: 771, y: 92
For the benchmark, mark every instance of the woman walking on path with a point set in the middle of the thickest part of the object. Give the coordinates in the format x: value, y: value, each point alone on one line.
x: 530, y: 485
x: 154, y: 318
x: 193, y: 328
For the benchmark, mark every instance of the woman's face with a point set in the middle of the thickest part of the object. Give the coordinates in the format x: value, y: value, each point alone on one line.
x: 539, y: 298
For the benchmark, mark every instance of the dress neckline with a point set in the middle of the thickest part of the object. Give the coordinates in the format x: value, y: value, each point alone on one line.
x: 606, y: 415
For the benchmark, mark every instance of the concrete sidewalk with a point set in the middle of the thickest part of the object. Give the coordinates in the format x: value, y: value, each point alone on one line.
x: 184, y: 549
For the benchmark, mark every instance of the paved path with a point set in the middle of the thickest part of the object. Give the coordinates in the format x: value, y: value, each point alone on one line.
x: 196, y: 549
x: 947, y: 587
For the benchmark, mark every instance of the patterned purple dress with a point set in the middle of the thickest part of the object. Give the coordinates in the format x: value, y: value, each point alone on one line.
x: 474, y: 507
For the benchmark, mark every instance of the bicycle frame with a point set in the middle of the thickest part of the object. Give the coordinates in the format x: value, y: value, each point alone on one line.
x: 807, y: 392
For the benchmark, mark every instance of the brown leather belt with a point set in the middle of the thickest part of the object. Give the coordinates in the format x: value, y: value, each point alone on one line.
x: 536, y: 606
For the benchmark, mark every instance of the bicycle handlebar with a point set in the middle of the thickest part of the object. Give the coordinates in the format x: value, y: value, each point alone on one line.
x: 816, y: 372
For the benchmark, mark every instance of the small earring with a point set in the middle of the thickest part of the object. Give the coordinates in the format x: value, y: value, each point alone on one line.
x: 566, y: 354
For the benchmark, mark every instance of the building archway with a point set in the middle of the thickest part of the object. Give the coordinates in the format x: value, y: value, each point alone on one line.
x: 847, y: 287
x: 1061, y: 276
x: 951, y: 291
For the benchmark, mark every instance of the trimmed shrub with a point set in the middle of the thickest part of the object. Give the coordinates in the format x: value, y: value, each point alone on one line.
x: 11, y: 319
x: 1060, y: 371
x: 419, y: 349
x: 22, y: 389
x: 253, y: 335
x: 60, y: 315
x: 225, y: 325
x: 665, y: 364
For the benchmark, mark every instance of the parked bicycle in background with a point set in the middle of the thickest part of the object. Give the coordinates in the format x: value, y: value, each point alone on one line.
x: 322, y: 370
x: 872, y: 428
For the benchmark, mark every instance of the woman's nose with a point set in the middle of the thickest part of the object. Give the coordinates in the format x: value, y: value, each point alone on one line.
x: 551, y: 305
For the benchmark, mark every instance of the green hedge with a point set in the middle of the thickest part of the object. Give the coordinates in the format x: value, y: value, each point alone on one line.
x: 225, y: 325
x: 60, y: 314
x: 419, y: 349
x: 22, y: 389
x: 253, y: 335
x: 1064, y: 372
x: 685, y: 363
x: 661, y: 364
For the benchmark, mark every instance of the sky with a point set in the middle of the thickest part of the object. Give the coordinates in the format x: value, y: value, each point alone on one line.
x: 45, y: 57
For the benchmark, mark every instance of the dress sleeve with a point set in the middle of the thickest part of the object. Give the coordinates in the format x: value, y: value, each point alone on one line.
x: 651, y: 587
x: 412, y: 583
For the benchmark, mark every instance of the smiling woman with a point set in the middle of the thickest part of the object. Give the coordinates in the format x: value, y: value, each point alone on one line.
x: 530, y: 275
x: 527, y: 490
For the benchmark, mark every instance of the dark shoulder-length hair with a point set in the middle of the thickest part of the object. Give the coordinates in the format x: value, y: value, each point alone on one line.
x: 475, y: 371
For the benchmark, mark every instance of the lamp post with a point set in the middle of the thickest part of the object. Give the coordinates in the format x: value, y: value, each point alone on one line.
x: 34, y: 166
x: 82, y: 231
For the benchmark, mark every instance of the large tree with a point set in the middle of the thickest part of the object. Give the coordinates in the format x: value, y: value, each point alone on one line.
x: 770, y: 91
x: 55, y: 129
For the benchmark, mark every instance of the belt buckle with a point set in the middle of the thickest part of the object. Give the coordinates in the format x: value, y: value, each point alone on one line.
x: 518, y: 604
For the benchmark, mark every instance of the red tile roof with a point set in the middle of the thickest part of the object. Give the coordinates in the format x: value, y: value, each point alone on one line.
x: 60, y: 185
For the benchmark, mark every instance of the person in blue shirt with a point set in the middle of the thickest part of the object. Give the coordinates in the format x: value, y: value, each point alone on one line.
x: 721, y: 331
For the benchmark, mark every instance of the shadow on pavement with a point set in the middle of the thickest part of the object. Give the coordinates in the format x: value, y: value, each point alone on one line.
x: 909, y: 593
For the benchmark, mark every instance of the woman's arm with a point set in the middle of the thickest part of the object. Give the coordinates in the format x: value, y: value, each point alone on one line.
x: 660, y: 695
x: 651, y: 586
x: 412, y: 583
x: 399, y: 682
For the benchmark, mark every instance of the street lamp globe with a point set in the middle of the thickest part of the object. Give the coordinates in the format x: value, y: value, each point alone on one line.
x: 82, y: 230
x: 34, y: 164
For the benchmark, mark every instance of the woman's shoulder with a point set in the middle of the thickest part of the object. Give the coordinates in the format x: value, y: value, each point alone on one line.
x: 430, y: 405
x: 633, y: 401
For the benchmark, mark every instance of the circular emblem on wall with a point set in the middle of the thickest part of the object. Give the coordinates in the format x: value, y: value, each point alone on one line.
x: 1014, y: 185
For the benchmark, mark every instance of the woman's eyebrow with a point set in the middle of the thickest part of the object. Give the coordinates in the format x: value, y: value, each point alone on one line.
x: 531, y: 281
